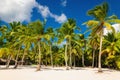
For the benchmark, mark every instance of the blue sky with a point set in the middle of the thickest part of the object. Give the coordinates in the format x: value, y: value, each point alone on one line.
x: 55, y: 12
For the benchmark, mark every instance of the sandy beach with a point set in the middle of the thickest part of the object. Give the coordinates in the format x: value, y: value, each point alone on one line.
x: 58, y: 73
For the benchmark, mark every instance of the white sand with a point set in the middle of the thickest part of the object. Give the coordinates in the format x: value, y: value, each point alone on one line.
x: 59, y: 74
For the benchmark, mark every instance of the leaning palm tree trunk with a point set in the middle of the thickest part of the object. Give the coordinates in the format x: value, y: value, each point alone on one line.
x: 8, y: 61
x: 93, y: 60
x: 39, y: 62
x: 23, y: 57
x: 16, y: 60
x: 66, y: 58
x: 99, y: 58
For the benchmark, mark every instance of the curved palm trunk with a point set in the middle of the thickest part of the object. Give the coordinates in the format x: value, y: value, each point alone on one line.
x: 16, y: 60
x: 39, y: 62
x: 8, y: 61
x: 23, y: 57
x: 99, y: 58
x: 93, y: 60
x: 51, y: 55
x: 66, y: 57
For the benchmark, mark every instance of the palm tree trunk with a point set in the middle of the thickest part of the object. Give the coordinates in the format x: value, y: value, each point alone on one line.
x: 46, y: 62
x: 99, y: 58
x: 70, y: 55
x: 83, y: 60
x: 39, y: 62
x: 66, y: 58
x: 51, y: 55
x: 74, y: 62
x: 22, y: 61
x: 93, y: 60
x: 96, y: 61
x: 8, y: 61
x: 16, y: 60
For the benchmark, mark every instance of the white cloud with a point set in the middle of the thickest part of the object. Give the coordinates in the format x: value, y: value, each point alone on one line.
x: 115, y: 26
x: 60, y: 19
x: 64, y: 3
x: 16, y: 10
x: 21, y: 10
x: 105, y: 32
x: 45, y: 12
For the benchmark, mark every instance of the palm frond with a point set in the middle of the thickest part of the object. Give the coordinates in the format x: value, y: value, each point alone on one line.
x: 91, y: 23
x: 107, y: 25
x: 113, y: 21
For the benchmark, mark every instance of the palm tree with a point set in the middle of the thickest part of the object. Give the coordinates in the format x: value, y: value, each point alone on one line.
x: 49, y: 35
x: 37, y: 29
x: 100, y: 13
x: 5, y: 55
x: 76, y: 48
x: 15, y: 34
x: 83, y: 46
x: 93, y: 41
x: 111, y: 47
x: 22, y: 36
x: 81, y: 42
x: 10, y: 39
x: 111, y: 44
x: 3, y: 32
x: 67, y: 31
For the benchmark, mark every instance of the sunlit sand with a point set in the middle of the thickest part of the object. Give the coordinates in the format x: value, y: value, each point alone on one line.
x: 58, y: 73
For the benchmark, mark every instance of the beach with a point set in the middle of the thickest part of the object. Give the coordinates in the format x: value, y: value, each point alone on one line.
x: 58, y: 73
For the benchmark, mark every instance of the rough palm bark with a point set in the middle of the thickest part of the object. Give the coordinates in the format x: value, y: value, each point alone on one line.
x: 23, y: 57
x: 83, y: 60
x: 93, y: 58
x: 16, y: 60
x: 99, y: 58
x: 39, y: 58
x: 70, y: 55
x: 66, y: 57
x: 8, y: 61
x: 74, y: 61
x: 51, y: 55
